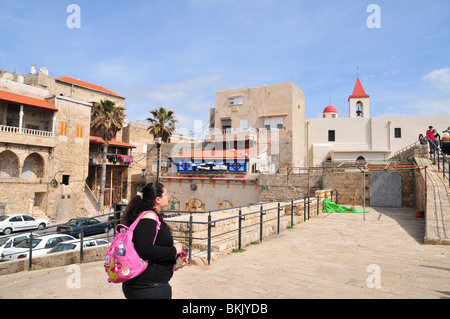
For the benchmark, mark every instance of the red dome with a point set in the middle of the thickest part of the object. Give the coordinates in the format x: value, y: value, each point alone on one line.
x: 330, y: 109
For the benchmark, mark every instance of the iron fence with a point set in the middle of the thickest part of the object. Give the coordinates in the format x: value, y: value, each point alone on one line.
x: 112, y: 219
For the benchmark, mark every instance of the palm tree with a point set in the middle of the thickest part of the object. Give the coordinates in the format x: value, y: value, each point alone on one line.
x: 162, y: 126
x: 107, y: 119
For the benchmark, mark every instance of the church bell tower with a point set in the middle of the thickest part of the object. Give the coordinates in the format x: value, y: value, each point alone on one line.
x: 358, y: 102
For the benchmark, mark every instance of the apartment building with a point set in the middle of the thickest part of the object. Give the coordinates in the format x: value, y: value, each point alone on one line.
x: 273, y: 114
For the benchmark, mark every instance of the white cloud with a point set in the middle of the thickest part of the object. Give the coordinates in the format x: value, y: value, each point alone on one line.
x: 440, y: 79
x: 188, y: 95
x: 429, y: 107
x: 190, y: 100
x: 390, y: 72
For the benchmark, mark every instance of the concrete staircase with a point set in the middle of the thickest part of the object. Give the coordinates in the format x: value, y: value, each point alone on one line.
x: 91, y: 205
x: 38, y: 213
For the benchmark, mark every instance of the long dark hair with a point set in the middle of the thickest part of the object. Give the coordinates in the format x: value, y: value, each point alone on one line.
x: 143, y: 203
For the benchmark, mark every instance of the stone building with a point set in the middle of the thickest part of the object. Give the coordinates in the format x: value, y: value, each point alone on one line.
x: 47, y: 150
x: 274, y: 114
x: 44, y: 145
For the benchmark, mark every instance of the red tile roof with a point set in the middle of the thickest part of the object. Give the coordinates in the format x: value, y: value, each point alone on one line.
x: 358, y: 91
x: 26, y: 100
x: 87, y: 85
x: 113, y: 142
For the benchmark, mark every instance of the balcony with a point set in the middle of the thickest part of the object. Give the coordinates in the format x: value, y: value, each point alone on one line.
x: 95, y: 158
x: 227, y: 134
x: 28, y: 136
x: 26, y: 120
x: 26, y: 131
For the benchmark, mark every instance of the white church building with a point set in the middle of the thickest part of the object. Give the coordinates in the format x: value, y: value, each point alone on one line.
x: 360, y: 136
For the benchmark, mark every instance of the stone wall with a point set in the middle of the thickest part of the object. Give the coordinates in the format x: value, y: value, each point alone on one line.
x: 279, y: 186
x: 415, y: 152
x: 225, y: 223
x: 90, y: 254
x: 352, y: 186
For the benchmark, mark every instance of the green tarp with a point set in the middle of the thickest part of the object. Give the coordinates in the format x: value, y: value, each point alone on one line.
x: 331, y: 207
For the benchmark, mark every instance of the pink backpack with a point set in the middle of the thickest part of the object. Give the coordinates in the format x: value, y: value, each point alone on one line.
x: 122, y: 262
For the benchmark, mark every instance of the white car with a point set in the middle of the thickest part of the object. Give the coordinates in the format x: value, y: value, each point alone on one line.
x: 17, y: 222
x: 75, y: 244
x: 8, y: 242
x: 40, y: 246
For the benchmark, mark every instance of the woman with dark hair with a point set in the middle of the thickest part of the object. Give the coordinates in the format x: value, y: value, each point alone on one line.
x: 153, y: 283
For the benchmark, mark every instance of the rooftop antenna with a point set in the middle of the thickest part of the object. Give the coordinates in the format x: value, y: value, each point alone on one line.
x: 329, y: 99
x: 357, y: 71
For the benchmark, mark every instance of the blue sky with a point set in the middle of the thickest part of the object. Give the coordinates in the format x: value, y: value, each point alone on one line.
x: 178, y: 53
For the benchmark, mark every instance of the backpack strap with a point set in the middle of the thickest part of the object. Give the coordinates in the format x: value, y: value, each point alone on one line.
x: 134, y: 224
x: 158, y: 223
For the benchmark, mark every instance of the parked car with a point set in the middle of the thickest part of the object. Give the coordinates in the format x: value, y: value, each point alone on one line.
x: 170, y: 214
x: 76, y: 244
x: 8, y: 242
x: 91, y: 226
x: 17, y: 222
x: 40, y: 246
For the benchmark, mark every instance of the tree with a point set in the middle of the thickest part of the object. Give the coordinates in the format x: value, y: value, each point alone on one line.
x: 106, y: 119
x: 162, y: 126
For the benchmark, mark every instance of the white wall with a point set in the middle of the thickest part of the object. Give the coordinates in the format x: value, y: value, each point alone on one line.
x: 373, y: 137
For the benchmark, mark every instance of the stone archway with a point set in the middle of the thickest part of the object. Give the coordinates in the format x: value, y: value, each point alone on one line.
x: 33, y: 166
x: 9, y: 164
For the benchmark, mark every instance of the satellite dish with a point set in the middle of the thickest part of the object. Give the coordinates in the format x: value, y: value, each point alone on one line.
x: 193, y: 187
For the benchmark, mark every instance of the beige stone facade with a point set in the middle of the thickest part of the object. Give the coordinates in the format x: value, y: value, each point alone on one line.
x: 37, y: 146
x: 137, y: 134
x: 277, y: 114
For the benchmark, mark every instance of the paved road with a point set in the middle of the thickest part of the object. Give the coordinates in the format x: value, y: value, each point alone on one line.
x: 330, y: 256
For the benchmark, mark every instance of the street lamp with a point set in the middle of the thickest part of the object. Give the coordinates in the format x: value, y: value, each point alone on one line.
x: 54, y: 182
x: 158, y: 142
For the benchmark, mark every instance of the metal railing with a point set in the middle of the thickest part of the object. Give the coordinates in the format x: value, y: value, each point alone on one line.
x: 26, y: 131
x: 114, y: 218
x: 442, y: 160
x: 260, y: 212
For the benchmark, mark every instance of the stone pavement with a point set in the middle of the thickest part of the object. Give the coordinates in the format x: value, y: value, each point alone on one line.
x: 331, y: 256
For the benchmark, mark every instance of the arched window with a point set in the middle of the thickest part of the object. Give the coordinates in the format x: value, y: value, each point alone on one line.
x: 33, y: 166
x: 9, y: 165
x: 174, y: 204
x: 195, y: 205
x: 225, y: 204
x: 360, y: 159
x: 359, y: 109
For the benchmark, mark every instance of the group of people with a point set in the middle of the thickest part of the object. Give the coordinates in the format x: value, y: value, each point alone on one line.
x: 434, y: 139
